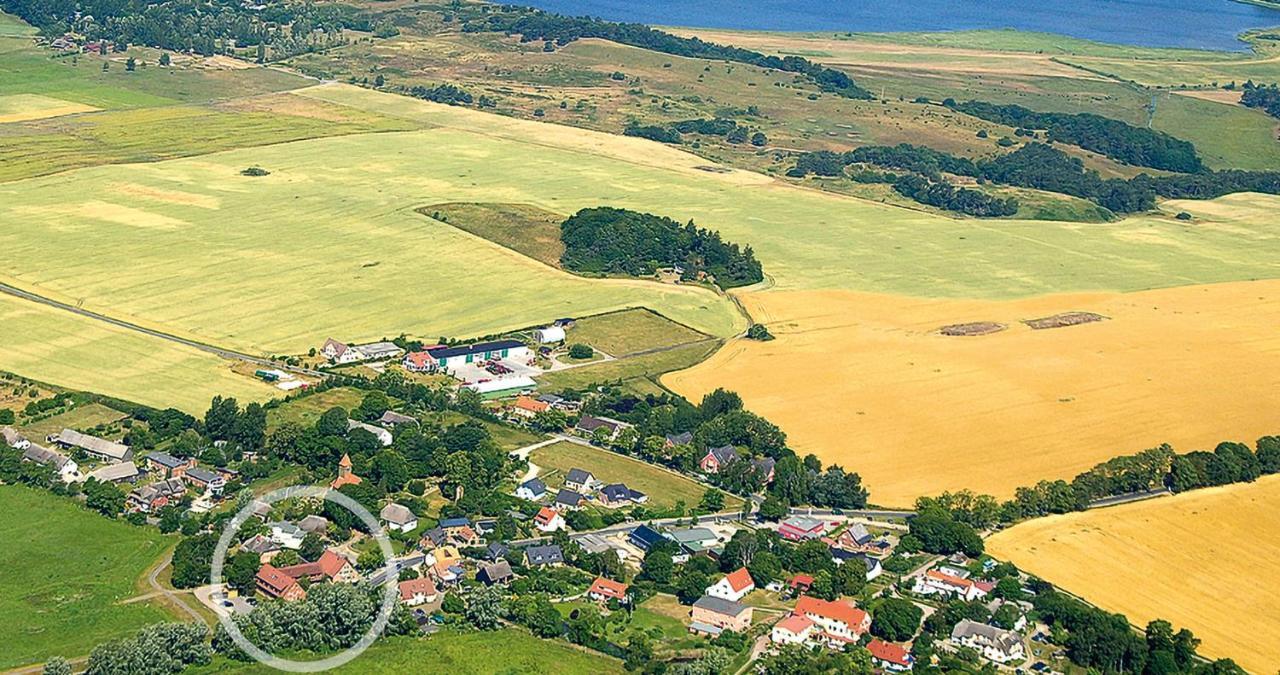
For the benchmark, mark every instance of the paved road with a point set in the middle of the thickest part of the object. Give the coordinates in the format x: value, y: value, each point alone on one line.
x: 217, y: 351
x: 1131, y: 497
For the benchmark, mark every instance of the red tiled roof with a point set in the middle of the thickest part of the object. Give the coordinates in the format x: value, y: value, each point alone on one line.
x: 545, y: 515
x: 531, y: 404
x: 331, y: 563
x: 795, y: 624
x: 740, y: 580
x: 274, y: 579
x: 836, y: 610
x: 608, y: 588
x: 412, y: 587
x: 800, y: 580
x: 887, y: 651
x: 419, y: 359
x: 948, y: 579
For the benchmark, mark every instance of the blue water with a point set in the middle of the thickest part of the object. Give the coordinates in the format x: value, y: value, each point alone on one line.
x: 1199, y: 24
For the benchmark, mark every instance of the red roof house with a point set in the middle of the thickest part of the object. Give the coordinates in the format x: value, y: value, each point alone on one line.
x: 276, y: 584
x: 890, y: 656
x: 603, y: 590
x: 414, y: 592
x: 733, y: 586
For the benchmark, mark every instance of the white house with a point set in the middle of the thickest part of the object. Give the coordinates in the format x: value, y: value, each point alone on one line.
x: 14, y: 439
x: 339, y: 352
x: 548, y: 520
x: 838, y: 622
x: 383, y: 436
x: 414, y: 592
x: 995, y: 644
x: 792, y: 630
x: 68, y: 470
x: 532, y: 490
x: 734, y: 586
x: 935, y: 582
x: 398, y: 517
x: 549, y: 335
x: 287, y: 535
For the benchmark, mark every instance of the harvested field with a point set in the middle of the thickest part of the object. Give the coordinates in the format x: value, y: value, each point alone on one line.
x: 972, y: 328
x: 1215, y: 95
x: 1207, y: 560
x: 1064, y: 319
x: 865, y: 380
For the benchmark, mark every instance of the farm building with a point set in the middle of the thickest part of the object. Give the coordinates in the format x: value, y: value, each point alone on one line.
x: 66, y: 467
x: 448, y: 358
x: 801, y: 528
x: 126, y: 472
x: 93, y: 446
x: 549, y: 335
x: 503, y: 388
x: 383, y: 436
x: 712, y: 616
x: 996, y: 644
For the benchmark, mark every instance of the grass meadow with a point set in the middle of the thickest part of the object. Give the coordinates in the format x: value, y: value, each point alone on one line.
x: 65, y: 571
x: 1206, y: 560
x: 664, y: 488
x: 630, y: 331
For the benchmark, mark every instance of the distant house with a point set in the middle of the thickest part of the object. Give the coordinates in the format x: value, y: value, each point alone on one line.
x: 580, y: 480
x: 734, y: 586
x: 712, y: 616
x: 433, y: 538
x: 801, y: 528
x: 855, y: 538
x: 889, y: 656
x: 398, y: 517
x: 394, y: 419
x: 527, y: 407
x: 549, y: 555
x: 418, y: 362
x: 764, y: 466
x: 936, y: 582
x: 99, y: 448
x: 533, y: 490
x: 548, y: 520
x: 587, y: 425
x: 549, y: 335
x: 206, y: 480
x: 672, y: 440
x: 696, y: 540
x: 800, y: 583
x: 838, y: 622
x: 874, y: 568
x: 794, y: 629
x: 14, y: 439
x: 338, y: 352
x: 286, y: 534
x: 715, y: 459
x: 414, y: 592
x: 314, y: 524
x: 329, y: 567
x: 496, y: 551
x: 645, y: 537
x: 996, y: 644
x: 345, y: 475
x: 259, y: 544
x: 378, y: 351
x: 604, y: 590
x: 151, y: 498
x: 66, y: 468
x: 383, y: 436
x: 273, y: 583
x: 126, y: 472
x: 618, y: 495
x: 495, y: 573
x: 568, y: 500
x: 167, y: 466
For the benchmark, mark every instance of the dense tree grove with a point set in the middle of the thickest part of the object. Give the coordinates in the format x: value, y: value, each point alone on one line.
x: 442, y: 93
x: 202, y: 26
x: 961, y: 200
x: 158, y: 649
x: 1042, y: 167
x: 607, y: 240
x: 1118, y: 140
x: 535, y: 25
x: 1266, y: 98
x: 653, y: 132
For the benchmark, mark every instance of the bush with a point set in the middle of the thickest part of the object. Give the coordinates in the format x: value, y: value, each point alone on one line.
x: 581, y: 351
x: 254, y: 171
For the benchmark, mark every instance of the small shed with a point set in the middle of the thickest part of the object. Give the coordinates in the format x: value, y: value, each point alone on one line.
x: 549, y: 334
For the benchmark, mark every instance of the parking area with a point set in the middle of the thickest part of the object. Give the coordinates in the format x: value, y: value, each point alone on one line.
x: 498, y: 369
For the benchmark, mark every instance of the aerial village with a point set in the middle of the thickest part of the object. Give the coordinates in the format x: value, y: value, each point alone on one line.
x: 603, y: 546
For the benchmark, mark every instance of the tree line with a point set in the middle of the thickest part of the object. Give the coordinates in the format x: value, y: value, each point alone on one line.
x: 728, y: 129
x: 1113, y: 138
x: 606, y: 240
x: 1261, y: 96
x: 1043, y: 167
x: 947, y: 196
x: 531, y: 25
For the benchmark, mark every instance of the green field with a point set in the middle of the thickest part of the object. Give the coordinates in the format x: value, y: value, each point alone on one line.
x: 522, y: 228
x: 306, y: 410
x: 511, y: 652
x: 65, y: 571
x: 664, y: 487
x: 636, y: 372
x: 55, y: 346
x: 506, y: 436
x: 85, y: 416
x: 630, y: 331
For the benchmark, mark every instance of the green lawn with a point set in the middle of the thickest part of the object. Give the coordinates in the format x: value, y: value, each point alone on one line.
x: 81, y: 417
x: 664, y: 488
x: 506, y: 436
x: 632, y: 330
x: 510, y: 651
x: 65, y: 570
x: 304, y: 411
x: 635, y: 371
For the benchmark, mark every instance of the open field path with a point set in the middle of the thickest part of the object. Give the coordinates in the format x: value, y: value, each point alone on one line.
x: 151, y: 332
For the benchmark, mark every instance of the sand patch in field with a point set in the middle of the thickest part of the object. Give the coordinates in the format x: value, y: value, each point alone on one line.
x: 867, y: 381
x: 1206, y: 559
x: 26, y: 107
x: 167, y: 196
x: 1215, y: 95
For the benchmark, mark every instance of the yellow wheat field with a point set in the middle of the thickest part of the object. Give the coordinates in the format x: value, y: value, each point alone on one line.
x: 867, y: 381
x: 1207, y: 560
